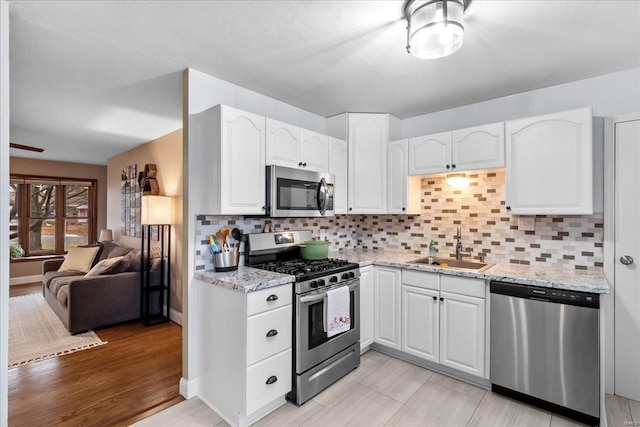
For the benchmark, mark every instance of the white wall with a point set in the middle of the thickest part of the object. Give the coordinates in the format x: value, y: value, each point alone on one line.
x: 4, y: 209
x: 609, y: 95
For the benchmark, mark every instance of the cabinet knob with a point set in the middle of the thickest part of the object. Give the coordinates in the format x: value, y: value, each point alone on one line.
x: 304, y: 164
x: 453, y: 166
x: 350, y: 209
x: 264, y: 208
x: 435, y: 298
x: 404, y: 209
x: 441, y: 299
x: 272, y: 379
x: 272, y: 297
x: 448, y: 166
x: 508, y: 208
x: 272, y: 333
x: 300, y: 164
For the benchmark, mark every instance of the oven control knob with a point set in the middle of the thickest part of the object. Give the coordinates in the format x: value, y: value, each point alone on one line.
x: 352, y: 275
x: 333, y: 279
x: 345, y: 276
x: 321, y: 282
x: 313, y: 284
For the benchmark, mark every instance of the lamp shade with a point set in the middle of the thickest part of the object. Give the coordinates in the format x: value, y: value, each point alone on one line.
x: 434, y: 27
x: 156, y: 210
x: 106, y: 235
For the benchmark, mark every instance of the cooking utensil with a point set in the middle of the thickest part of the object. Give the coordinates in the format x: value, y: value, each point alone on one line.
x: 314, y: 249
x: 236, y: 234
x: 221, y: 239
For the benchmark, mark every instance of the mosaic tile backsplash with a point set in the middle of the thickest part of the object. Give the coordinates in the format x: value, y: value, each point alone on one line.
x: 573, y: 242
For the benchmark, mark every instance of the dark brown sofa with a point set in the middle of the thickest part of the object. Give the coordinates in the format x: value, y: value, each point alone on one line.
x: 86, y: 303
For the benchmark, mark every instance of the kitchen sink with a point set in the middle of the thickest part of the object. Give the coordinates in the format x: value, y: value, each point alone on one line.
x: 454, y: 263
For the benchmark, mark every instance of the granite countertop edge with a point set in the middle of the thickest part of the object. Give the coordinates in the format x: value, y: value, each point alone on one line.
x: 247, y: 279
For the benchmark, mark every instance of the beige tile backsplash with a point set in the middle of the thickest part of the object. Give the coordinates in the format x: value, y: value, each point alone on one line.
x: 573, y: 242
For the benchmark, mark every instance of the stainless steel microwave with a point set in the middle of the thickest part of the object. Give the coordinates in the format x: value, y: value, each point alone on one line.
x: 298, y: 193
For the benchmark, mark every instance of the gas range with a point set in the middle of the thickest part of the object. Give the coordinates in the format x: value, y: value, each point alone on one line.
x: 279, y: 252
x: 314, y: 274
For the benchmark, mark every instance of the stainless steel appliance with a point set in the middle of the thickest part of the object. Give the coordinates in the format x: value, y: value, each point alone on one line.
x: 545, y: 348
x: 298, y: 193
x: 318, y: 361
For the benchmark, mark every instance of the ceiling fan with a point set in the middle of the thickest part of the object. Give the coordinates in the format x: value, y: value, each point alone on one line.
x: 25, y: 147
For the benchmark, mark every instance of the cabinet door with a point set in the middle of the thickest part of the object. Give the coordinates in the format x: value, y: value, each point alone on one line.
x: 386, y: 285
x: 315, y: 151
x: 368, y: 138
x: 338, y: 167
x: 430, y: 154
x: 420, y: 322
x: 549, y: 161
x: 242, y: 162
x: 283, y: 144
x: 366, y: 307
x: 462, y: 333
x: 480, y: 147
x: 403, y: 195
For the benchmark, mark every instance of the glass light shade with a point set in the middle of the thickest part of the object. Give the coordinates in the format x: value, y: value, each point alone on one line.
x: 156, y: 210
x: 458, y: 180
x: 106, y: 235
x: 432, y: 36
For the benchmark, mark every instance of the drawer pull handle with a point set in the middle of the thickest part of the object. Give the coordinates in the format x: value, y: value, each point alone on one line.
x: 272, y: 297
x: 272, y: 379
x: 272, y: 333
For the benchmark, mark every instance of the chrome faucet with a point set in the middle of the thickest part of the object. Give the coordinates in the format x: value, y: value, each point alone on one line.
x: 459, y: 251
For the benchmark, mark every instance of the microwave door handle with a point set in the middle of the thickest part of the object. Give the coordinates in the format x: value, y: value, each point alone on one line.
x: 322, y: 196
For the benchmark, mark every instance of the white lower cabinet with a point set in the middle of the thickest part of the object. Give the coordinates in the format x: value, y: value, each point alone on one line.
x: 443, y: 320
x: 387, y: 307
x: 420, y: 322
x: 245, y: 351
x: 366, y: 307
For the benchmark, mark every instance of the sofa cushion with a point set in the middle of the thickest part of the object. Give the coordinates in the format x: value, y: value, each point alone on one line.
x: 63, y: 295
x: 49, y: 275
x: 79, y: 259
x: 109, y: 266
x: 133, y: 258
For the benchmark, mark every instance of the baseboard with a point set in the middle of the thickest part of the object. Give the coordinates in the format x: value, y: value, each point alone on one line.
x: 188, y: 388
x: 23, y: 280
x: 175, y: 316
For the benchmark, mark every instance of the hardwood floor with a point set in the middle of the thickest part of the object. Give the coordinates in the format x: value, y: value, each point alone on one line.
x: 135, y: 375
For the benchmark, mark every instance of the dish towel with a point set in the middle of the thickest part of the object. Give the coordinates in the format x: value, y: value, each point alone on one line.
x: 336, y: 311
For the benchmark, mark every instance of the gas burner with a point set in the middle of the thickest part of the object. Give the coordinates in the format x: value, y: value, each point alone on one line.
x: 305, y: 269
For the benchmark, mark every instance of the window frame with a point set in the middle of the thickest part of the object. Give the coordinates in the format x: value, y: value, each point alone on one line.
x: 24, y: 210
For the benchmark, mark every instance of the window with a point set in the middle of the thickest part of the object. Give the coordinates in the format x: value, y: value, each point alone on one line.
x: 49, y: 216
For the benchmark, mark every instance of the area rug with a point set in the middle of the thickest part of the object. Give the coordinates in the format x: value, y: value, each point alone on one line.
x: 36, y: 333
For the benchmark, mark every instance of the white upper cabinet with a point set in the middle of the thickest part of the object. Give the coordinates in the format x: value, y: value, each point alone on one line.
x: 284, y: 144
x: 479, y: 147
x: 294, y: 147
x: 315, y: 151
x: 430, y: 154
x: 232, y: 161
x: 549, y: 161
x: 403, y: 191
x: 338, y: 154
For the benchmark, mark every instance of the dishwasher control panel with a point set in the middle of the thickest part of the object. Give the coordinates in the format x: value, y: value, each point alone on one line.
x: 558, y: 296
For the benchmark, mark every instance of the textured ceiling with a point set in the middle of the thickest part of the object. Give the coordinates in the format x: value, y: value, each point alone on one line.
x: 94, y: 78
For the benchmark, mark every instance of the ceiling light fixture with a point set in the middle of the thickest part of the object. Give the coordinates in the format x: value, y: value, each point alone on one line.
x: 458, y: 180
x: 434, y: 27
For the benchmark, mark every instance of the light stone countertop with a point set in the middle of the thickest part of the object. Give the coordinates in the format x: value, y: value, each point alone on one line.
x: 548, y: 277
x: 247, y: 279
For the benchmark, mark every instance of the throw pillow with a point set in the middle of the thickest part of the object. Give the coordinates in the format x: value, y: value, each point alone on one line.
x: 98, y: 255
x: 134, y: 260
x: 79, y: 259
x: 107, y: 266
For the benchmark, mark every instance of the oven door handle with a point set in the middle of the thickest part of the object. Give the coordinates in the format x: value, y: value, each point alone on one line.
x: 320, y: 297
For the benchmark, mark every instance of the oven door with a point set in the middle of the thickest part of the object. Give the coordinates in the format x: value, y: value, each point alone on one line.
x: 312, y: 344
x: 296, y: 193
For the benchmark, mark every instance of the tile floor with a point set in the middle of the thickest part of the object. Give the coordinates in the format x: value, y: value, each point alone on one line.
x: 385, y: 391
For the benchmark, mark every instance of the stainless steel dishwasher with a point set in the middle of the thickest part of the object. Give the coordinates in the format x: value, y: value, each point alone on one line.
x: 545, y: 348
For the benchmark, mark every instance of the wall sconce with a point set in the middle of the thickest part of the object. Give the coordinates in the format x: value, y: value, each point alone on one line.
x: 106, y: 235
x: 434, y: 27
x: 458, y: 180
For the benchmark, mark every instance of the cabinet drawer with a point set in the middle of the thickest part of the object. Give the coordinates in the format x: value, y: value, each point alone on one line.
x: 277, y: 323
x: 463, y: 286
x: 259, y: 393
x: 421, y: 279
x: 268, y: 299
